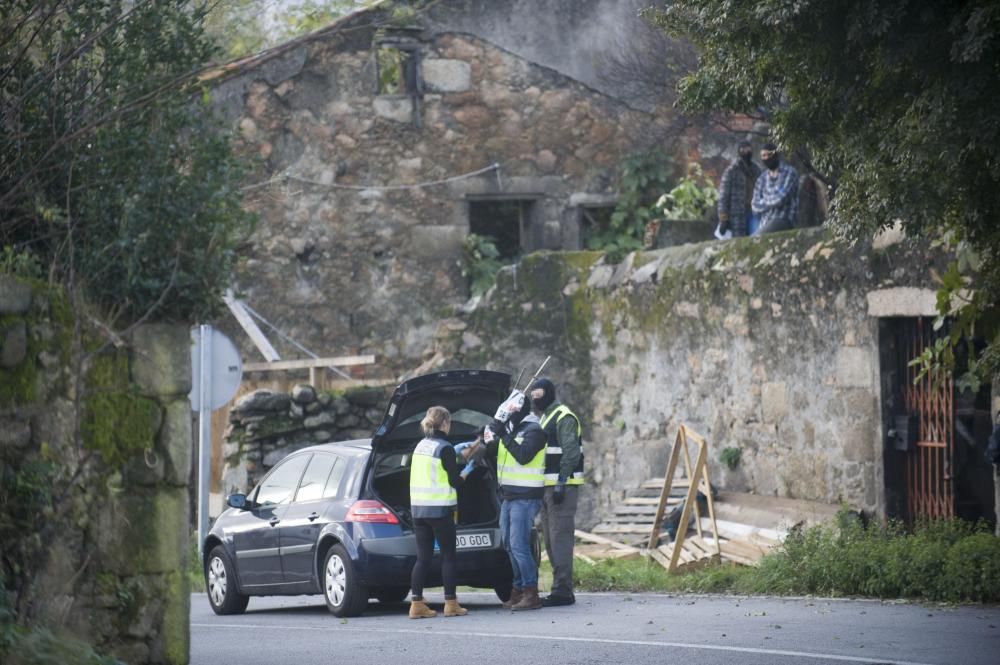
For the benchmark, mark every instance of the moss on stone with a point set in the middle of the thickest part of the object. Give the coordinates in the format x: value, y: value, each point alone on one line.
x: 175, y: 629
x: 117, y: 422
x: 18, y: 384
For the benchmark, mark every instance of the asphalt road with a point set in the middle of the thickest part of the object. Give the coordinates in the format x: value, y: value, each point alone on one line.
x: 602, y: 628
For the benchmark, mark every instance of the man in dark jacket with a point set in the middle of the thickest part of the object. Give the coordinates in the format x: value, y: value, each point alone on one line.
x: 563, y: 478
x: 736, y: 193
x: 520, y: 450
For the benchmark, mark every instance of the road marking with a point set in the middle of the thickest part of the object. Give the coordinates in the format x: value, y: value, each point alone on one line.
x: 869, y: 660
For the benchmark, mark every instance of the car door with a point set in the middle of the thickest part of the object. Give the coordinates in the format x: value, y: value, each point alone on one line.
x: 306, y: 516
x: 256, y: 540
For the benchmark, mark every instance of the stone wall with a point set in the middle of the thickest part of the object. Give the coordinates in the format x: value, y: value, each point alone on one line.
x: 94, y: 467
x: 769, y: 345
x: 343, y: 266
x: 266, y: 426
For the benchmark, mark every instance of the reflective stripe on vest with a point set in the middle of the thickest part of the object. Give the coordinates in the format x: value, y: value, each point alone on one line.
x: 428, y: 479
x: 510, y: 472
x: 553, y: 454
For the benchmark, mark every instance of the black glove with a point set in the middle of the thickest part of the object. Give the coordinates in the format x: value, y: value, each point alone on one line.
x: 558, y: 494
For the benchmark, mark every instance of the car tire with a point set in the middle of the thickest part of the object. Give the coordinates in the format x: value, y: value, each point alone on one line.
x: 220, y: 583
x: 344, y: 594
x: 392, y: 594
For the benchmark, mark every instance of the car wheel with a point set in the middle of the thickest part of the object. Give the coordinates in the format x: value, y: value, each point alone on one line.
x: 392, y: 594
x: 220, y: 582
x: 536, y: 547
x: 345, y: 596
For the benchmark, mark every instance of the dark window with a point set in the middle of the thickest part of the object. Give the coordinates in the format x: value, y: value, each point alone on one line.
x: 314, y: 480
x: 505, y: 221
x: 280, y: 484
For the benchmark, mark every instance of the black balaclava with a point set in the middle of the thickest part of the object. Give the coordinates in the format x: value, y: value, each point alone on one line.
x: 547, y: 398
x: 745, y: 151
x: 774, y: 160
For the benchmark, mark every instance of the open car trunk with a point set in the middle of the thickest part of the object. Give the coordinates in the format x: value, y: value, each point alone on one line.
x: 471, y: 396
x: 478, y: 504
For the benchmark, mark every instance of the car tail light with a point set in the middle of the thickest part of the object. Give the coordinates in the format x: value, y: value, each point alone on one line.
x: 368, y: 510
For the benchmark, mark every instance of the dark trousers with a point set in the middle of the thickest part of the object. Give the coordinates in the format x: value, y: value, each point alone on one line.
x: 443, y: 528
x: 558, y: 525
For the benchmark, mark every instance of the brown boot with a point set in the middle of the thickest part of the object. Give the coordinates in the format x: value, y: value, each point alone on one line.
x: 515, y: 598
x: 419, y: 609
x: 453, y: 609
x: 529, y: 601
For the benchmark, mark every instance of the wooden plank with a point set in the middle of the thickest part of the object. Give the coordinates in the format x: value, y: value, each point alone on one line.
x: 657, y: 483
x: 584, y: 557
x: 650, y: 501
x: 308, y: 363
x: 250, y: 327
x: 621, y: 528
x: 659, y: 558
x: 668, y: 478
x: 583, y: 535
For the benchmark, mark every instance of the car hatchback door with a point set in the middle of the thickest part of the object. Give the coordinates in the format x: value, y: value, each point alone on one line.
x: 256, y: 541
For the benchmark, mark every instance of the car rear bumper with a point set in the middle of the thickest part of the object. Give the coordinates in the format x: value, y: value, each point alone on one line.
x: 386, y: 562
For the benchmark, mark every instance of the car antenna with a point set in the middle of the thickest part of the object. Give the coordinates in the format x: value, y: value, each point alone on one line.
x: 537, y: 372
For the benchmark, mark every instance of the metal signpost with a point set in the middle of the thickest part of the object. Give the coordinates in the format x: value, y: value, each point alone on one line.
x: 216, y: 372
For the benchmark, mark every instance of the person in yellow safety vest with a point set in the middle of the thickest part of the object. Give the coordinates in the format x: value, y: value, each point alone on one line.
x: 563, y: 477
x: 520, y: 449
x: 434, y: 476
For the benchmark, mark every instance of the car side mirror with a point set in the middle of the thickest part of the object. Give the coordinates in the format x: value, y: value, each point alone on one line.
x: 238, y: 501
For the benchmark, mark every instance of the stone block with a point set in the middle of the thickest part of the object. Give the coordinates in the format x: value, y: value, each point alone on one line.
x: 15, y: 295
x: 441, y: 75
x: 14, y: 345
x: 774, y: 401
x: 436, y: 243
x: 144, y: 532
x: 854, y: 367
x: 278, y: 454
x: 320, y: 420
x: 161, y: 360
x: 902, y: 301
x: 54, y: 426
x: 175, y: 444
x: 303, y: 394
x: 262, y: 400
x: 14, y: 434
x: 397, y: 109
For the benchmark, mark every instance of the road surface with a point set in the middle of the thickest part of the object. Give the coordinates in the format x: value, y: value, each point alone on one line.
x: 603, y: 628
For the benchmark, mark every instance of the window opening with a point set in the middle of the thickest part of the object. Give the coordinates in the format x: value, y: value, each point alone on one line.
x: 505, y: 221
x: 397, y: 70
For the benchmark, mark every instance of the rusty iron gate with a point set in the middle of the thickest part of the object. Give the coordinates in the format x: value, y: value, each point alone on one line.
x: 930, y: 487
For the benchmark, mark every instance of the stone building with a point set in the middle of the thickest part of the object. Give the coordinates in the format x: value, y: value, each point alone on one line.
x: 382, y: 141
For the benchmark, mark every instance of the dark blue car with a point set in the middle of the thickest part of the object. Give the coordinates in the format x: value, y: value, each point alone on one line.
x: 335, y: 518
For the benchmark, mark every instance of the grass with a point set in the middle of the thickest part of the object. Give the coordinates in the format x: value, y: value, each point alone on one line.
x: 951, y: 561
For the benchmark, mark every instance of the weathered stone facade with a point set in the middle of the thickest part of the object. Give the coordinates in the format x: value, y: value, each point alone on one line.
x: 266, y: 426
x: 769, y: 345
x: 344, y: 266
x: 94, y: 474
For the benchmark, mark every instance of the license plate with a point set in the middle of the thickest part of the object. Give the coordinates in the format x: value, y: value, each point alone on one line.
x: 471, y: 541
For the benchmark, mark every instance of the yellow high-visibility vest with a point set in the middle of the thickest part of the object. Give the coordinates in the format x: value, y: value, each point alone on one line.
x: 429, y: 485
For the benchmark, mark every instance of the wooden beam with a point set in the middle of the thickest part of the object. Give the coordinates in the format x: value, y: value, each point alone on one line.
x: 310, y: 363
x: 250, y: 327
x: 593, y: 538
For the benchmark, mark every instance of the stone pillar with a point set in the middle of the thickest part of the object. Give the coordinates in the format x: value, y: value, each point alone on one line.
x: 143, y: 536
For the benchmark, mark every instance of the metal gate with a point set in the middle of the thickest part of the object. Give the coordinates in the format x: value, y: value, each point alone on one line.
x: 930, y: 490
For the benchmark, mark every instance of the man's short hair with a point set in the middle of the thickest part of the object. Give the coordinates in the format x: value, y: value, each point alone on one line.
x: 769, y: 146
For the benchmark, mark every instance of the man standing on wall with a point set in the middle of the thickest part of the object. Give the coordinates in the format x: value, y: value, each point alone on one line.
x: 563, y: 477
x: 736, y: 193
x: 776, y: 195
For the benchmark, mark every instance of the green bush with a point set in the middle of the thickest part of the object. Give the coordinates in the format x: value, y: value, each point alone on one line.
x: 952, y: 561
x: 480, y: 262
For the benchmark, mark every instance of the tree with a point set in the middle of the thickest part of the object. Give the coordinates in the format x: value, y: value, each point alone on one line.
x: 894, y: 100
x: 112, y: 170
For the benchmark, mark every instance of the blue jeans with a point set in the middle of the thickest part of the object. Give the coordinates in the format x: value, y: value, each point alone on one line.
x: 517, y: 517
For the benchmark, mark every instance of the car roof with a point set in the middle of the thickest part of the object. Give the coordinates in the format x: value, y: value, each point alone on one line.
x: 354, y: 448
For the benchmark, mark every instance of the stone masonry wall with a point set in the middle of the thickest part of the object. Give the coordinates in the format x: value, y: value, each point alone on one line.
x: 266, y: 426
x: 768, y: 345
x: 367, y: 270
x: 94, y: 470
